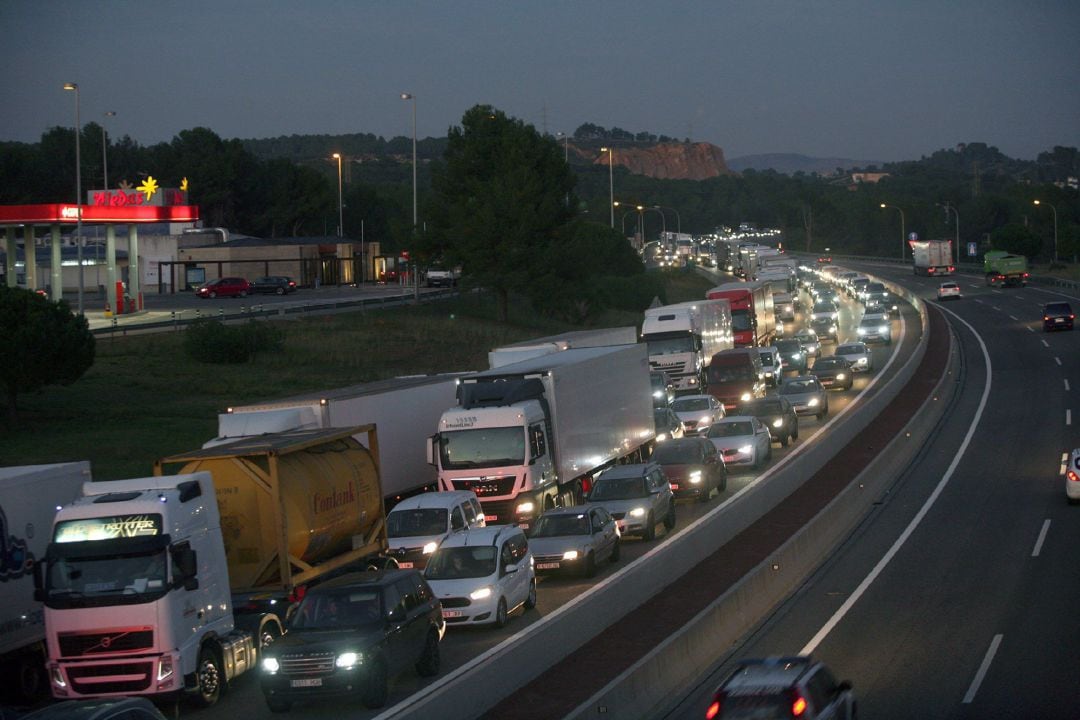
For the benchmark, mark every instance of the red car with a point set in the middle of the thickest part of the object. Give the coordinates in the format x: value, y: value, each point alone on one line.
x: 224, y: 287
x: 693, y: 467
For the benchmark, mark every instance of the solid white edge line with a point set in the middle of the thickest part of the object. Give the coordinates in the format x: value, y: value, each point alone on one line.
x: 1064, y: 462
x: 887, y: 558
x: 1042, y: 538
x: 989, y: 658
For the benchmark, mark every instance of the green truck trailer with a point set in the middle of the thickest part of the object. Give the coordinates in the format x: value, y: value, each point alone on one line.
x: 1005, y: 269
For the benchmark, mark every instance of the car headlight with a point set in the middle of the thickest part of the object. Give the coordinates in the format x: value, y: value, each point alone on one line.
x: 347, y: 659
x: 883, y: 329
x: 840, y: 376
x: 661, y: 437
x: 637, y: 512
x: 695, y: 477
x: 796, y: 356
x: 525, y: 507
x: 745, y: 449
x: 270, y: 665
x: 705, y: 420
x: 480, y: 593
x: 777, y: 422
x: 833, y: 316
x: 862, y: 331
x: 745, y: 397
x: 570, y: 555
x: 832, y: 328
x: 658, y: 394
x: 813, y: 402
x: 431, y: 547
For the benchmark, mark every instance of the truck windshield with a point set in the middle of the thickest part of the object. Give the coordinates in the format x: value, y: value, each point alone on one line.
x: 671, y: 345
x: 79, y: 580
x: 483, y: 447
x: 740, y: 320
x: 730, y: 373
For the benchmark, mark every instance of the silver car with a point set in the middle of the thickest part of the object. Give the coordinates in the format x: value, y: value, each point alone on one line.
x: 638, y: 496
x: 857, y: 354
x: 697, y: 412
x: 809, y: 341
x: 742, y: 440
x: 807, y: 395
x: 574, y: 539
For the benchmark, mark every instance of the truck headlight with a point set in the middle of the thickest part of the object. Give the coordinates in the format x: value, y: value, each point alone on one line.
x: 746, y: 397
x: 347, y: 660
x: 777, y: 422
x: 570, y: 555
x: 525, y: 507
x: 431, y: 547
x: 270, y: 665
x: 637, y: 512
x: 480, y: 593
x: 165, y: 668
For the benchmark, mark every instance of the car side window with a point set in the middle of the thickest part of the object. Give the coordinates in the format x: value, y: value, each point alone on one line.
x: 519, y: 547
x: 392, y: 599
x: 406, y: 587
x: 656, y: 480
x: 506, y: 556
x: 423, y: 590
x: 596, y: 521
x: 457, y: 521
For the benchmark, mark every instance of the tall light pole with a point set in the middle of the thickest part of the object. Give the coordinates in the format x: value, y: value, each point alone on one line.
x: 948, y: 206
x: 410, y: 96
x: 78, y: 195
x: 566, y: 158
x: 340, y: 212
x: 105, y: 151
x: 678, y: 219
x: 1039, y: 202
x: 611, y: 181
x: 902, y: 235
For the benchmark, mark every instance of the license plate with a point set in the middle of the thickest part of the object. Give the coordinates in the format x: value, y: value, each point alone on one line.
x: 674, y: 486
x: 307, y: 682
x: 452, y: 613
x: 491, y: 518
x: 826, y: 383
x: 1057, y: 320
x: 547, y: 566
x: 405, y: 565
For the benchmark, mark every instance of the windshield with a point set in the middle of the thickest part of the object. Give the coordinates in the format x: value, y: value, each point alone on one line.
x: 105, y: 579
x: 561, y: 525
x: 671, y: 345
x: 740, y: 320
x: 341, y: 608
x: 677, y: 454
x: 730, y: 373
x: 731, y: 429
x: 624, y: 488
x: 824, y: 308
x: 462, y: 562
x: 483, y: 447
x: 794, y: 387
x: 415, y: 523
x: 766, y: 407
x: 690, y: 404
x: 850, y: 350
x: 828, y: 364
x: 806, y: 336
x: 787, y: 347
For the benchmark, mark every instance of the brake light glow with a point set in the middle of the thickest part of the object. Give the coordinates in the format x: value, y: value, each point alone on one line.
x: 1072, y: 476
x: 713, y: 710
x: 798, y: 708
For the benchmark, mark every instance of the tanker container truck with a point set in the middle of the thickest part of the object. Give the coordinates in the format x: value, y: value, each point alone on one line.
x: 529, y: 436
x: 168, y: 586
x: 682, y: 339
x: 753, y: 321
x: 29, y: 496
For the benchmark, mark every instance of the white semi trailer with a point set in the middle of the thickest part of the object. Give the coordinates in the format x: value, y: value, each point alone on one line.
x: 682, y: 339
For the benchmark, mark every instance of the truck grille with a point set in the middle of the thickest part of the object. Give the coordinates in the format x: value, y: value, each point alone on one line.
x: 115, y: 641
x: 121, y: 678
x: 488, y: 487
x: 502, y: 511
x: 319, y: 664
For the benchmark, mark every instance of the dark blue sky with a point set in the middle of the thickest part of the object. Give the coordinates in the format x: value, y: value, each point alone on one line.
x: 858, y: 79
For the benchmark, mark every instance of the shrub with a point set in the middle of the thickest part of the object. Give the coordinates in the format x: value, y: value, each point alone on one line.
x: 211, y: 341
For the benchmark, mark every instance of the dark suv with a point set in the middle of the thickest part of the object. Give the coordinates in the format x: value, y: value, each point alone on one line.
x: 1058, y: 316
x: 276, y: 284
x: 350, y: 635
x: 782, y: 687
x: 777, y: 414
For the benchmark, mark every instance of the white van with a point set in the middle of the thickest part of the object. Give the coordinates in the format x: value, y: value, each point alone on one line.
x: 417, y: 525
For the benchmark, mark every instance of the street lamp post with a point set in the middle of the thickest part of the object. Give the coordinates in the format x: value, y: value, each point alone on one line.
x: 948, y: 206
x: 566, y: 156
x: 105, y: 151
x: 416, y: 268
x: 1054, y: 209
x: 340, y: 211
x: 902, y: 234
x: 78, y: 196
x: 611, y: 181
x: 678, y: 218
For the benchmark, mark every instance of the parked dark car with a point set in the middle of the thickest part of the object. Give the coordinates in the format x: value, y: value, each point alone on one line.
x: 693, y: 467
x: 778, y: 414
x: 833, y: 372
x: 1058, y: 316
x: 224, y: 287
x: 350, y: 635
x: 276, y: 284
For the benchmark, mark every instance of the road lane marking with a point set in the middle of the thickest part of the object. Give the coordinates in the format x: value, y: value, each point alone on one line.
x: 1058, y: 361
x: 1068, y: 417
x: 1064, y: 462
x: 994, y: 644
x: 994, y: 307
x: 1013, y: 317
x: 1045, y: 344
x: 1030, y: 329
x: 1066, y: 385
x: 1042, y: 538
x: 910, y: 529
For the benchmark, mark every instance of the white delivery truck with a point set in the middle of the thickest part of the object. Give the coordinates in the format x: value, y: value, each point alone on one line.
x: 599, y: 337
x: 682, y: 339
x: 29, y: 496
x: 529, y: 436
x: 404, y: 409
x: 932, y: 257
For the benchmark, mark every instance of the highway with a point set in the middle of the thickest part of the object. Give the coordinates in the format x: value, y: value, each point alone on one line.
x: 956, y: 596
x: 464, y: 645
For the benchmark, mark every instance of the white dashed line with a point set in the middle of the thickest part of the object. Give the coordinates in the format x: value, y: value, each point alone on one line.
x: 1057, y: 360
x: 994, y: 644
x: 1045, y: 344
x: 1031, y: 329
x: 1013, y: 317
x: 1068, y: 417
x: 1066, y: 385
x: 1064, y: 461
x: 1042, y: 538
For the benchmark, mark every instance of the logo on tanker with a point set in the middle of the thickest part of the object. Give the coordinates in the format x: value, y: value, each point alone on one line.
x: 338, y: 498
x: 15, y: 558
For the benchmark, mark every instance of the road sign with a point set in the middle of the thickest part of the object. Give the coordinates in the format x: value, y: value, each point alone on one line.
x: 913, y: 236
x: 973, y: 249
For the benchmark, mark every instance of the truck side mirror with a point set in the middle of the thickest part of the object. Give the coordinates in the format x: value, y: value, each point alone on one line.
x: 431, y: 445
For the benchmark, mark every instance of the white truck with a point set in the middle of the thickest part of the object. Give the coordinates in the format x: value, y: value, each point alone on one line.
x: 529, y: 436
x: 932, y: 257
x: 168, y: 586
x: 682, y: 339
x: 599, y: 337
x: 29, y: 495
x: 404, y: 409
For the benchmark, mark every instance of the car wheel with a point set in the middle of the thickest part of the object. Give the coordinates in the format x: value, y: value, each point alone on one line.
x: 669, y: 519
x: 616, y: 551
x: 530, y: 599
x: 375, y: 688
x: 795, y: 432
x: 243, y: 293
x: 705, y: 495
x: 501, y: 614
x: 650, y: 528
x: 1074, y: 501
x: 429, y: 662
x: 209, y: 678
x: 589, y: 569
x: 783, y: 441
x: 280, y: 291
x: 278, y: 706
x: 211, y: 294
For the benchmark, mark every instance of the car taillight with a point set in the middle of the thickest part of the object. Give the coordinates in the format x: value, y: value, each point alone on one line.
x: 798, y: 704
x: 714, y: 709
x: 1072, y: 476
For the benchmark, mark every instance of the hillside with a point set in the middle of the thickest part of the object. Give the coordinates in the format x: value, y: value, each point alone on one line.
x: 791, y: 163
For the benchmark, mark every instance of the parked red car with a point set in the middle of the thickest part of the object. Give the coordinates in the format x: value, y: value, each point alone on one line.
x: 224, y: 287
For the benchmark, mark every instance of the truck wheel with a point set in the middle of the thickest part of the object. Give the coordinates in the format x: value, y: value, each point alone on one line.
x: 429, y: 662
x: 278, y: 706
x: 375, y: 687
x: 208, y: 678
x: 31, y: 684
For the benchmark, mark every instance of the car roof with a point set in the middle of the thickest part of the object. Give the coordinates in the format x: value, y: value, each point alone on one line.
x: 630, y: 470
x: 368, y: 578
x: 772, y: 673
x: 850, y: 347
x: 433, y: 499
x: 693, y: 397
